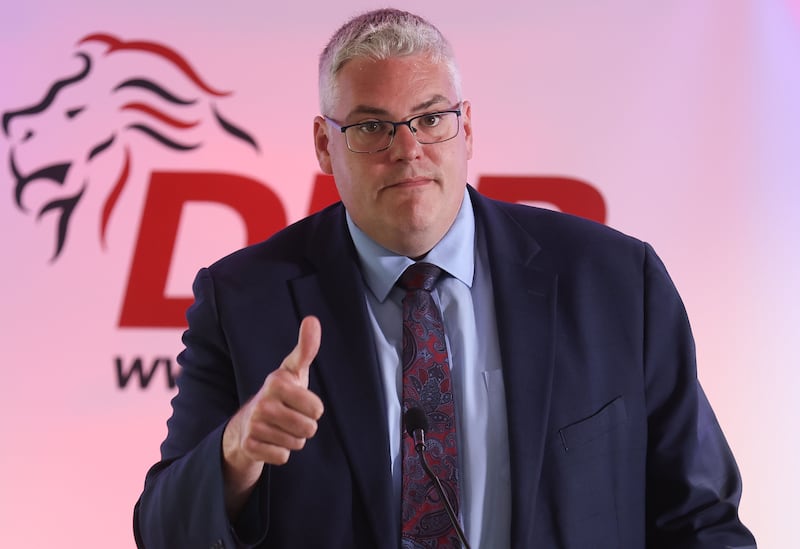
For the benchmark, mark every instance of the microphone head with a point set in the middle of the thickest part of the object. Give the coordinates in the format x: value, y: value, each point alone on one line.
x: 415, y: 419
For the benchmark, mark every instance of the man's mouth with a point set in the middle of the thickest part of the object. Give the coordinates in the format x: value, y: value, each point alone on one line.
x: 410, y: 182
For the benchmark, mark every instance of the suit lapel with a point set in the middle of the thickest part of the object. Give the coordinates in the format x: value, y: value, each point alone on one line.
x: 525, y: 301
x: 347, y: 367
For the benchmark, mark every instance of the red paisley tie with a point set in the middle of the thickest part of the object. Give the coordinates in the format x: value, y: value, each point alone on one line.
x: 426, y: 385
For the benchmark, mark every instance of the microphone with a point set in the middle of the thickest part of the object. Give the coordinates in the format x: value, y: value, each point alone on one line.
x: 416, y: 425
x: 416, y: 421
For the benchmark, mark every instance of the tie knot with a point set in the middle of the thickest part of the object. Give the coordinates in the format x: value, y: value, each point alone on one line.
x: 420, y: 276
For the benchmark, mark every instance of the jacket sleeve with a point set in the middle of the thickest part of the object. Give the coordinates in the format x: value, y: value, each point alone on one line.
x: 693, y: 483
x: 183, y: 503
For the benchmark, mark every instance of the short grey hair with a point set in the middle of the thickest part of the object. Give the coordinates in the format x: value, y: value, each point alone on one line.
x: 382, y: 34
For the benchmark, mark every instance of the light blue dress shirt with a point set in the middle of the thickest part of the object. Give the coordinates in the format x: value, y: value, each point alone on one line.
x: 467, y: 304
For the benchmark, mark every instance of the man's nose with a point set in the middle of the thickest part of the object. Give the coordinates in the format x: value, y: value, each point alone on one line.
x: 405, y: 144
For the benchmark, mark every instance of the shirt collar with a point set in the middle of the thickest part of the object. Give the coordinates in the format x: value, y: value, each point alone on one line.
x: 454, y: 253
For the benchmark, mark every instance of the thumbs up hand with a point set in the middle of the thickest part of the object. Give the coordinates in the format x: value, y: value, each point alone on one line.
x: 276, y: 421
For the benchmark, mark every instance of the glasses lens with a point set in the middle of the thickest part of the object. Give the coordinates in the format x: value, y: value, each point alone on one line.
x: 376, y: 135
x: 369, y: 136
x: 435, y: 127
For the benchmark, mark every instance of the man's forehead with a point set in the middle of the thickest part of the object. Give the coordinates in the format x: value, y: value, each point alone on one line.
x: 435, y: 101
x: 397, y: 86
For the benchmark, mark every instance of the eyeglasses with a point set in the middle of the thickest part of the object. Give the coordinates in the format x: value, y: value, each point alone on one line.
x: 378, y: 135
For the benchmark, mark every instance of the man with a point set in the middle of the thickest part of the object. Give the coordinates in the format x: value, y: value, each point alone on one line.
x: 564, y: 373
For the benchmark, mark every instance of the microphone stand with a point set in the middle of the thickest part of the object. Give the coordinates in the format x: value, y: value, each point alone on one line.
x: 419, y: 445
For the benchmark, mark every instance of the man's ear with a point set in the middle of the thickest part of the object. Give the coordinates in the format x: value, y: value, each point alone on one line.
x: 466, y: 120
x: 321, y: 144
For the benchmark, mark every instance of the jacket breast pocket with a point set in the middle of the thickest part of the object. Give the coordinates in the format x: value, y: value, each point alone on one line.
x: 583, y: 479
x: 583, y: 432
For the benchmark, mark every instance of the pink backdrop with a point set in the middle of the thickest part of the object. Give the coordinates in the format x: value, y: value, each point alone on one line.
x: 684, y: 115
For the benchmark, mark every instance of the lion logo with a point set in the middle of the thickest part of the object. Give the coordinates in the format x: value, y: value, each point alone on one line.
x: 98, y: 116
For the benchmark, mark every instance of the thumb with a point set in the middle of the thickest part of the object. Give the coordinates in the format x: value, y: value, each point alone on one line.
x: 299, y: 360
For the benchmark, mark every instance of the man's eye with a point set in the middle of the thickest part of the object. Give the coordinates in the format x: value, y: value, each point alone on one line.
x: 430, y: 120
x: 370, y: 127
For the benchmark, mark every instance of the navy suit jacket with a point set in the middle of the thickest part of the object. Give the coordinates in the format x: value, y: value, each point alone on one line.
x: 612, y: 442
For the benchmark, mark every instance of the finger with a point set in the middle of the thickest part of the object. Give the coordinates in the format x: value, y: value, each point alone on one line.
x: 266, y: 453
x: 297, y: 415
x: 308, y: 340
x: 282, y: 392
x: 269, y: 434
x: 304, y: 401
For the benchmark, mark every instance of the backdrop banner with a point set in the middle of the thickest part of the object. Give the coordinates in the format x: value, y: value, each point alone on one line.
x: 142, y: 141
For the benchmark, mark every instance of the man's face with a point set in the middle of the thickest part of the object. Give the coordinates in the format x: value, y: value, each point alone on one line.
x: 406, y: 197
